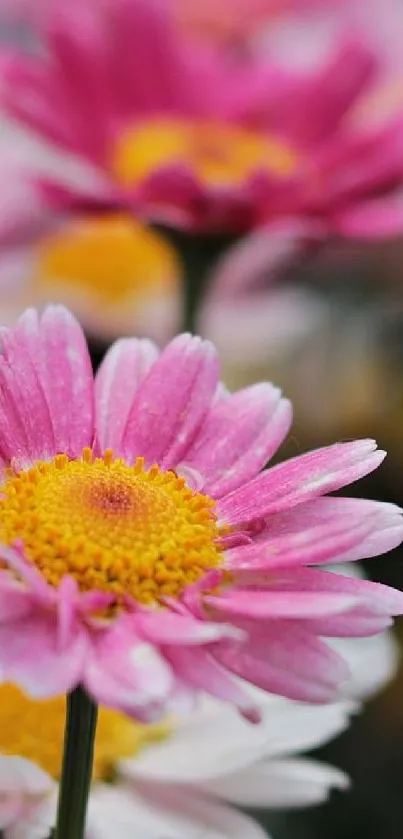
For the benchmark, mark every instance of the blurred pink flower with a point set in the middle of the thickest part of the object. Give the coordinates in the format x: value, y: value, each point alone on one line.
x: 183, y: 136
x: 146, y: 555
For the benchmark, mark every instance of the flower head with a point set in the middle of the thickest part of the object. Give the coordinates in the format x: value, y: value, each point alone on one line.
x: 186, y: 137
x: 145, y: 555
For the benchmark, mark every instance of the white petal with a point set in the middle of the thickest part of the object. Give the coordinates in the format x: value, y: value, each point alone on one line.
x: 25, y: 795
x: 373, y: 663
x: 20, y: 775
x: 280, y: 783
x: 224, y: 742
x: 164, y: 813
x: 38, y: 823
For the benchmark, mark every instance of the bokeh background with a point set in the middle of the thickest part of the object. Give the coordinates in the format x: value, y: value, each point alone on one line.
x: 262, y: 206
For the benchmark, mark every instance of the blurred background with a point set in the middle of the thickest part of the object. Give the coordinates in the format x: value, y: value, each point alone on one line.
x: 233, y: 168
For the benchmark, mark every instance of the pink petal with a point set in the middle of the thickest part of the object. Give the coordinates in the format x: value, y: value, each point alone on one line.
x: 68, y: 597
x: 379, y: 598
x: 239, y: 436
x: 300, y: 479
x: 24, y: 214
x: 310, y: 545
x: 359, y: 623
x: 15, y: 601
x: 359, y: 167
x: 116, y: 384
x: 168, y: 628
x: 382, y: 539
x: 31, y: 656
x: 78, y: 42
x: 126, y: 673
x: 261, y: 257
x: 25, y: 423
x: 273, y: 604
x: 171, y: 402
x: 37, y: 589
x: 143, y: 31
x: 375, y: 603
x: 271, y: 323
x: 329, y: 513
x: 198, y: 668
x: 35, y: 105
x: 58, y: 351
x: 336, y: 87
x: 375, y: 218
x: 287, y: 659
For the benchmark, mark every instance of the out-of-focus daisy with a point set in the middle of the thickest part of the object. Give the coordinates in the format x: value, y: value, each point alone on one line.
x: 186, y: 137
x: 145, y: 555
x: 148, y: 778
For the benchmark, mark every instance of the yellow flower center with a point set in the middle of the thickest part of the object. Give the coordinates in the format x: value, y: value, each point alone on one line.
x: 34, y: 729
x: 110, y: 259
x: 113, y: 527
x: 217, y: 154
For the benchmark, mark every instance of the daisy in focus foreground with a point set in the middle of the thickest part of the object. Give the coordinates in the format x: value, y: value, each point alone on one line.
x: 145, y: 555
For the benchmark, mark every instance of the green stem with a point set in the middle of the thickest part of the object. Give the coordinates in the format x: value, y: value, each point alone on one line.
x: 199, y: 254
x: 79, y: 737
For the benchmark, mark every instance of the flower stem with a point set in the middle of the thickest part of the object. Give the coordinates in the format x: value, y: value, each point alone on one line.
x: 199, y: 255
x: 79, y: 737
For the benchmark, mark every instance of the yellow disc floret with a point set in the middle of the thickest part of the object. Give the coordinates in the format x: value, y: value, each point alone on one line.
x: 122, y: 529
x: 217, y: 153
x: 34, y: 729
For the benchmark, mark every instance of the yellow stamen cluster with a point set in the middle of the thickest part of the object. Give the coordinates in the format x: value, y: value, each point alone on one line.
x: 217, y: 153
x: 35, y: 729
x: 113, y: 527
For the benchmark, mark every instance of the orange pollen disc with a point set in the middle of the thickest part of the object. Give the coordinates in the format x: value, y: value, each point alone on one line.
x: 113, y: 527
x: 216, y: 153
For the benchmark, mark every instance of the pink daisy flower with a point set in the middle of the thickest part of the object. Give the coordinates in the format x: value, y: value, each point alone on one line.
x: 145, y: 555
x: 185, y: 137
